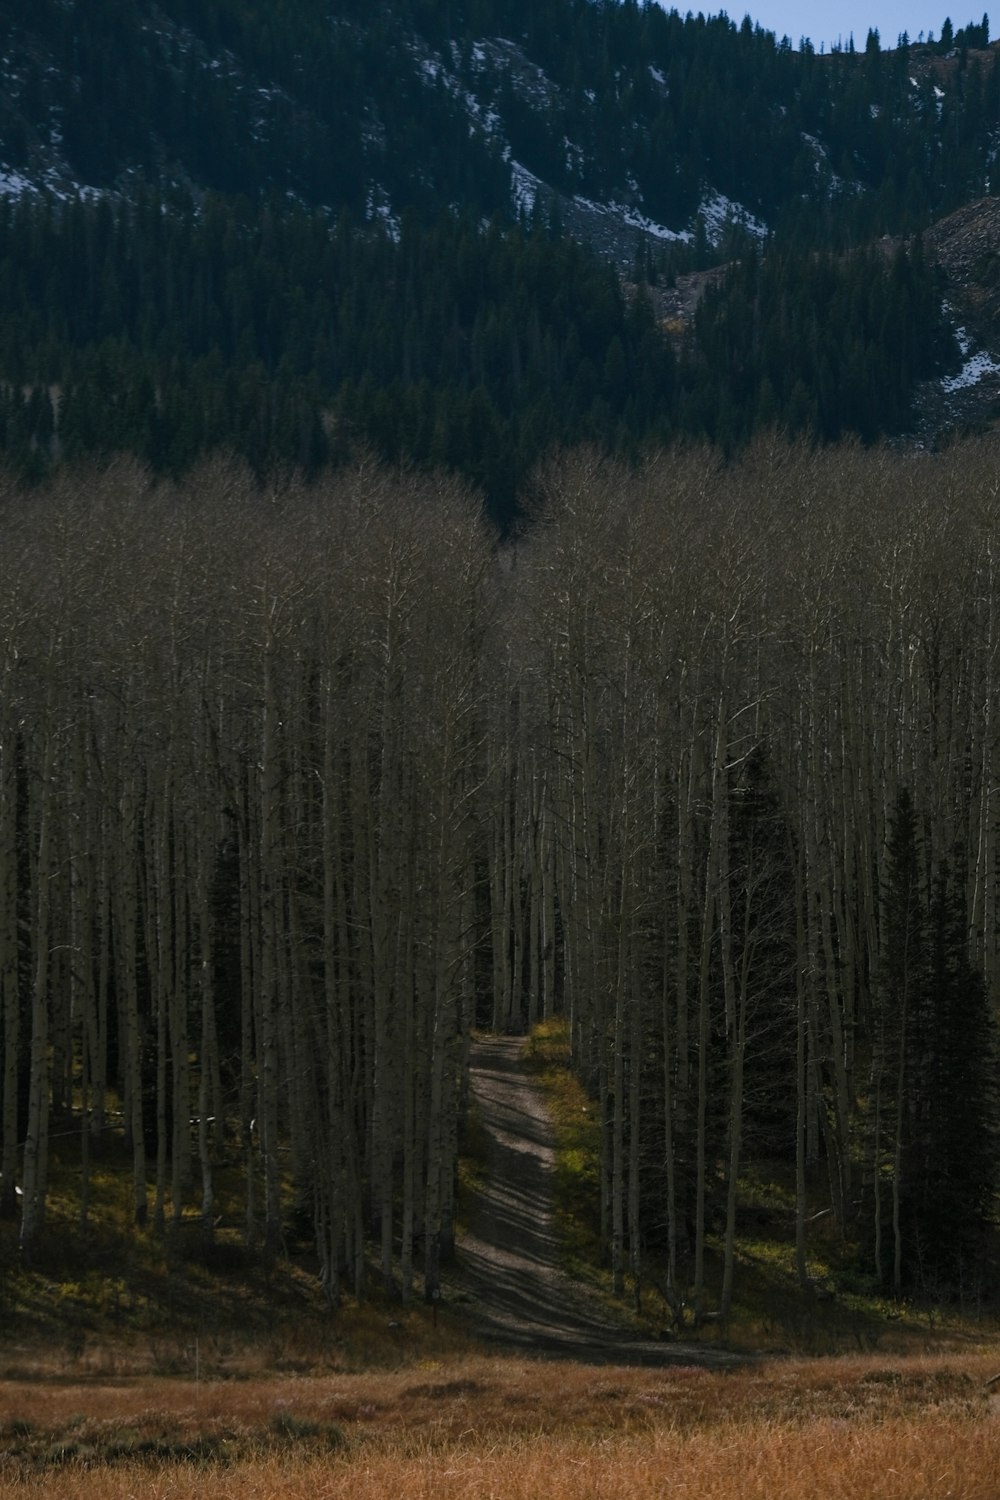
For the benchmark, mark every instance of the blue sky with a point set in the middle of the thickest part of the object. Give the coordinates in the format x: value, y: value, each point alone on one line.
x: 825, y: 20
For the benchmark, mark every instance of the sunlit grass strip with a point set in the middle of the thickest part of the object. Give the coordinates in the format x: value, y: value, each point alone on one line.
x: 504, y: 1399
x: 915, y: 1459
x: 913, y: 1429
x: 576, y: 1122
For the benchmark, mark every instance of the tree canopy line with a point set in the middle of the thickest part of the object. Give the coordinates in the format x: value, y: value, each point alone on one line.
x: 300, y: 784
x: 265, y: 331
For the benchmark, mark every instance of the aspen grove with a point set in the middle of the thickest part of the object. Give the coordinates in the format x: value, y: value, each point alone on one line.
x: 300, y: 784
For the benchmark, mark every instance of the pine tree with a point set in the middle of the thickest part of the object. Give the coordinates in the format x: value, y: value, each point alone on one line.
x: 956, y: 1108
x: 933, y: 1102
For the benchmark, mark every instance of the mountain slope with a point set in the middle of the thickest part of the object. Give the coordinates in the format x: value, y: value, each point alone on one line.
x: 485, y: 104
x: 290, y: 230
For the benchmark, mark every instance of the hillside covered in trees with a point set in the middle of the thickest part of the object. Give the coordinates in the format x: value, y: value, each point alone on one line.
x: 410, y: 105
x: 173, y: 336
x: 299, y: 786
x: 442, y: 234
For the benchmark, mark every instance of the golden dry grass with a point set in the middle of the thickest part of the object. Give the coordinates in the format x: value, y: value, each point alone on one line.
x: 899, y: 1460
x: 513, y: 1429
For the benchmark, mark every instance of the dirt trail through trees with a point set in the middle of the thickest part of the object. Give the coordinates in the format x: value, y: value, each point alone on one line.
x: 508, y: 1261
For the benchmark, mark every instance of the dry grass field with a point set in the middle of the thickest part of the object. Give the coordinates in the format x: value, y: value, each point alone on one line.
x: 132, y: 1371
x: 501, y: 1428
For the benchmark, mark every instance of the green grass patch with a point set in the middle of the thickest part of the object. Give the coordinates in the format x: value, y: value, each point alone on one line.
x: 840, y: 1310
x: 473, y: 1156
x: 577, y: 1125
x: 106, y: 1297
x: 160, y: 1440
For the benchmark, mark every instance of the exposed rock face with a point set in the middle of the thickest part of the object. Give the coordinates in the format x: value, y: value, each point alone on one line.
x: 966, y: 245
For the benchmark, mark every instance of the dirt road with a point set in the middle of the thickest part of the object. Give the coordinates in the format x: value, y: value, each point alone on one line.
x: 508, y: 1272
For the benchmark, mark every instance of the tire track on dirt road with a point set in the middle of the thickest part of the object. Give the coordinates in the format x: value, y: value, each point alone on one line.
x: 508, y: 1273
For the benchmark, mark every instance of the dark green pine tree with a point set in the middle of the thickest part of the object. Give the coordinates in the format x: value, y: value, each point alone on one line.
x: 955, y: 1156
x: 900, y: 999
x: 933, y: 1106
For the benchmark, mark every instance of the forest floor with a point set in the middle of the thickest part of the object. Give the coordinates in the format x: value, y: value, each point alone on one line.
x: 509, y: 1277
x: 379, y: 1399
x: 529, y: 1280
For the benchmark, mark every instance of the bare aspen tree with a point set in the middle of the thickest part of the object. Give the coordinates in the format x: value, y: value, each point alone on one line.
x: 452, y: 697
x: 398, y: 597
x: 36, y: 1141
x: 10, y: 649
x: 311, y: 767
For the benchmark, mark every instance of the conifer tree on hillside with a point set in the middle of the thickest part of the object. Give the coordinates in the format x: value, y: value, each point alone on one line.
x: 932, y: 1108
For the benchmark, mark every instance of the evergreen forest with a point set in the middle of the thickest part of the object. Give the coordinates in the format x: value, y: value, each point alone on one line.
x: 294, y: 235
x: 428, y: 105
x: 262, y: 332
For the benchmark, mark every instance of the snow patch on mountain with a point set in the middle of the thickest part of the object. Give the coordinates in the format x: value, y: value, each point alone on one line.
x: 976, y: 367
x: 528, y: 80
x: 433, y: 72
x: 14, y: 184
x: 633, y: 218
x: 614, y: 227
x: 972, y: 372
x: 720, y: 212
x: 53, y: 182
x: 526, y: 188
x: 823, y: 168
x: 379, y: 209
